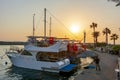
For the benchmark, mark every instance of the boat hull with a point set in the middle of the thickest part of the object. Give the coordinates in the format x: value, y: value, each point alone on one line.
x: 30, y: 63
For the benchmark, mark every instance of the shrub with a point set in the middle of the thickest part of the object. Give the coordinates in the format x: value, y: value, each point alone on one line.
x: 116, y: 47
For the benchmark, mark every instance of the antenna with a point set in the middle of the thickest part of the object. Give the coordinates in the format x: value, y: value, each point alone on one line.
x: 84, y: 36
x: 33, y: 25
x: 45, y: 22
x: 50, y: 27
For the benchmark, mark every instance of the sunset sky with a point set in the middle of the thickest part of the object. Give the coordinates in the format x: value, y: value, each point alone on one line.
x: 16, y: 18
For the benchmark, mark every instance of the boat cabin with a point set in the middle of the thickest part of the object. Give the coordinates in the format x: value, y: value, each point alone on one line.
x: 50, y: 56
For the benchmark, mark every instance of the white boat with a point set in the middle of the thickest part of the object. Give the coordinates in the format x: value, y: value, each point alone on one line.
x: 41, y: 58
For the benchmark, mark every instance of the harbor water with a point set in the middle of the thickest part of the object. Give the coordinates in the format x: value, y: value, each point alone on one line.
x: 9, y: 72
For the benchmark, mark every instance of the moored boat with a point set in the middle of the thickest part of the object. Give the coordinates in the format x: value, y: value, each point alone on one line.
x: 51, y: 58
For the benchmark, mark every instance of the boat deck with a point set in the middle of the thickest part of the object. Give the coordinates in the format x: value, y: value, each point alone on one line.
x: 68, y: 68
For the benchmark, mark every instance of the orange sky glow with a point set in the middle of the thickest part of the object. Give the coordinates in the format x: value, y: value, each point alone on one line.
x: 16, y: 18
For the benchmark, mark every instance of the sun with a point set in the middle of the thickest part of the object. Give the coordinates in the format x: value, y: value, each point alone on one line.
x: 74, y: 28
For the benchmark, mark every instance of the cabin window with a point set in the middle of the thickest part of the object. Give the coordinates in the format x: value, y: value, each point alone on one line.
x: 26, y: 53
x: 47, y: 56
x: 63, y: 55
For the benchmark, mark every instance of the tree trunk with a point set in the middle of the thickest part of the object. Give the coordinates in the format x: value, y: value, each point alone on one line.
x: 114, y: 41
x: 106, y: 38
x: 96, y: 40
x: 94, y: 37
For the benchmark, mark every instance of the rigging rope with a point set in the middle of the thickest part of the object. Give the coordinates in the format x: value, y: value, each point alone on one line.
x: 1, y: 57
x: 62, y: 24
x: 39, y: 20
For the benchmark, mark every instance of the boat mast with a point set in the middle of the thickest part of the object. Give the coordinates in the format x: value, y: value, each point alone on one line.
x: 84, y: 37
x: 44, y: 22
x: 33, y: 25
x: 50, y: 27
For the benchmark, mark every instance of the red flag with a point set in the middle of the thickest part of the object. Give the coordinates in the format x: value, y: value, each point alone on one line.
x: 75, y: 48
x: 51, y: 40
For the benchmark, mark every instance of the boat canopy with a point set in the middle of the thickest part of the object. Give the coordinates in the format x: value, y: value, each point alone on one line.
x: 59, y: 46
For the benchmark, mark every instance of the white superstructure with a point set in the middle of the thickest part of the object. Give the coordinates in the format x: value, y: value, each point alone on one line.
x: 41, y: 58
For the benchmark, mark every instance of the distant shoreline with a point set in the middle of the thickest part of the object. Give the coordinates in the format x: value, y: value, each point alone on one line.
x: 23, y: 43
x: 12, y: 43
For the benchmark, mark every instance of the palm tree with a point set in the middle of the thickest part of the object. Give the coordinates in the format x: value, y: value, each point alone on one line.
x: 114, y: 37
x: 93, y: 25
x: 96, y: 34
x: 116, y: 1
x: 106, y: 31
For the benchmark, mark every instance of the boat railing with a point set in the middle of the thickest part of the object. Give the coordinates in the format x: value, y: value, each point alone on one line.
x: 14, y: 49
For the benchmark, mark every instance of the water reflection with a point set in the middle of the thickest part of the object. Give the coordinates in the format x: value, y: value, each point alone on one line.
x: 27, y: 74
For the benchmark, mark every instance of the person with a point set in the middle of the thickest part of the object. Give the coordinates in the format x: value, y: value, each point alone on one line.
x: 97, y: 61
x: 101, y: 49
x: 118, y: 66
x: 71, y: 59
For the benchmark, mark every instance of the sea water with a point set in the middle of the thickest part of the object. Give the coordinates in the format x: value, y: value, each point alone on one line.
x: 9, y: 72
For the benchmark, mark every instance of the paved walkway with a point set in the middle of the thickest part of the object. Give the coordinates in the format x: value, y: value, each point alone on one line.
x: 107, y: 63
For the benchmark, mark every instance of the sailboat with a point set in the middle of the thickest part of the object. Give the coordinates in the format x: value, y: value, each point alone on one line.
x: 50, y: 58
